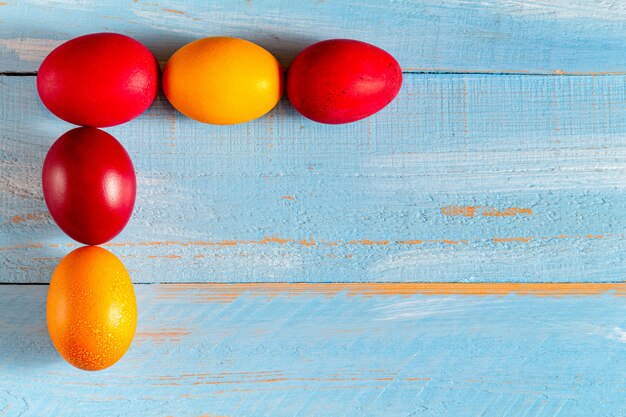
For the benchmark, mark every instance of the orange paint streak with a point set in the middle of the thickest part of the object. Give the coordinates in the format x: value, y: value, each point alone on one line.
x: 312, y: 242
x: 35, y: 216
x: 594, y: 237
x: 367, y: 242
x: 467, y: 211
x: 164, y: 335
x: 201, y: 293
x: 288, y: 197
x: 255, y: 378
x: 164, y: 257
x: 270, y: 380
x: 271, y: 239
x: 156, y: 243
x: 174, y: 11
x: 511, y: 239
x: 509, y: 212
x: 471, y: 211
x: 303, y: 387
x: 260, y: 381
x: 28, y: 246
x: 410, y: 242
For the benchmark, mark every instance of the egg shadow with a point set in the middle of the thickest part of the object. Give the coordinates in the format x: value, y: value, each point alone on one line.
x: 24, y: 339
x: 283, y: 46
x: 27, y: 262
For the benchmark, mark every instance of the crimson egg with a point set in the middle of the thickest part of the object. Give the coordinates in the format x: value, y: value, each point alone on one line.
x: 101, y: 79
x: 342, y: 81
x: 89, y: 185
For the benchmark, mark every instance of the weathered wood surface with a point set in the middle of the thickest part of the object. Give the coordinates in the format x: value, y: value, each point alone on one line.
x: 529, y: 36
x: 499, y: 177
x: 488, y: 350
x: 462, y: 178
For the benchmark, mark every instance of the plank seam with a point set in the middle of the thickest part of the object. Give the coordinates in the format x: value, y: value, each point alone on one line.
x: 433, y: 72
x: 373, y: 283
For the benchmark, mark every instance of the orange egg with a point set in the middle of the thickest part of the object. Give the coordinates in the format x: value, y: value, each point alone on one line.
x: 223, y: 80
x: 91, y: 309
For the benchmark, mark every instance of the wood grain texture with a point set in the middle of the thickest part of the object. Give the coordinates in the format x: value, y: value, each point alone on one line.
x: 528, y: 36
x: 319, y: 350
x: 462, y: 178
x: 485, y: 180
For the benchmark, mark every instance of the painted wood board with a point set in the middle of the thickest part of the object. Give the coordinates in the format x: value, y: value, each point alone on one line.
x: 462, y: 178
x: 528, y: 36
x: 335, y: 349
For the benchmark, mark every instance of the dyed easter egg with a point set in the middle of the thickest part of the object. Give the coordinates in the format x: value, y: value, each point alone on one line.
x: 89, y: 185
x: 223, y: 80
x: 101, y: 79
x: 342, y: 81
x: 91, y: 309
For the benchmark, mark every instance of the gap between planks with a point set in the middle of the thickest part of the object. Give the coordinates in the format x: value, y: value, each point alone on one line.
x: 425, y: 71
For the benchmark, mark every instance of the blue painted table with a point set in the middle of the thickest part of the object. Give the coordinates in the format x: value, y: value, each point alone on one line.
x: 461, y: 253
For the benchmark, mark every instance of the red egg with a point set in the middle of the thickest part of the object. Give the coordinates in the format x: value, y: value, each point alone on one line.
x: 89, y: 185
x: 342, y: 81
x: 100, y: 80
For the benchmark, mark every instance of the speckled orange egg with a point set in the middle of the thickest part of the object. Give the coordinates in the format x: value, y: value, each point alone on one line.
x: 91, y: 308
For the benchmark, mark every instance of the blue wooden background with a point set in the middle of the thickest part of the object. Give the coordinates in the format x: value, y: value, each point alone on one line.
x: 461, y: 253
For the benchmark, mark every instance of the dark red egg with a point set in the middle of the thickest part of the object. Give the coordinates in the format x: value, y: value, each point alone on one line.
x: 89, y: 185
x: 342, y: 81
x: 101, y: 79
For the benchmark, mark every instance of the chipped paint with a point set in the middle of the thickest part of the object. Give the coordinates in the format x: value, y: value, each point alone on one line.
x: 161, y: 335
x: 173, y: 11
x: 30, y: 49
x: 34, y: 216
x: 511, y: 239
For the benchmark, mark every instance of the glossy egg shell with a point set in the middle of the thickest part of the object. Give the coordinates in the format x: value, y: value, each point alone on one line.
x: 222, y: 80
x: 89, y: 185
x: 342, y: 81
x: 91, y: 309
x: 101, y: 79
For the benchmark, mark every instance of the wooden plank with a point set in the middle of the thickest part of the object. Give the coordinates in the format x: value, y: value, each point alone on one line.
x: 462, y: 178
x: 313, y: 350
x: 582, y: 36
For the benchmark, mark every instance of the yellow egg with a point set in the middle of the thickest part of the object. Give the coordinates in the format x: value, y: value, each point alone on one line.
x: 223, y: 80
x: 91, y: 309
